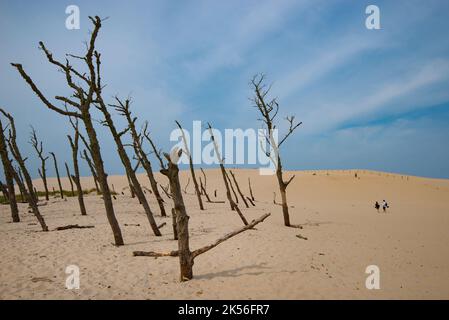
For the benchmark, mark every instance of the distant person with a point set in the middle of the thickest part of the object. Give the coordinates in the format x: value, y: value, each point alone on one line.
x: 385, y: 205
x: 377, y: 206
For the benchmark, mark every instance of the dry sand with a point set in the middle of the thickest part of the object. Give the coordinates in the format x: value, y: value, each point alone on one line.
x: 345, y: 235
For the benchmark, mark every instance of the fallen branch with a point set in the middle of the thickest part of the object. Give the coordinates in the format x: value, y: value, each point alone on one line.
x: 202, y: 250
x: 301, y: 237
x: 73, y: 226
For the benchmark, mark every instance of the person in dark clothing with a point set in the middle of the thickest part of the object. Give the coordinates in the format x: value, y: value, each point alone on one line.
x: 385, y: 205
x: 377, y: 206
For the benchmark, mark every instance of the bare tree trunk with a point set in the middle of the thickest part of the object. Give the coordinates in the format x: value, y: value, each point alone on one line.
x: 124, y: 110
x: 269, y: 111
x: 103, y: 180
x: 74, y: 143
x: 232, y: 188
x: 250, y: 189
x: 234, y: 206
x: 84, y: 100
x: 19, y: 181
x: 238, y: 189
x: 175, y: 231
x: 131, y: 188
x: 85, y: 156
x: 192, y: 171
x: 182, y: 220
x: 127, y: 164
x: 37, y: 145
x: 29, y: 195
x: 4, y: 191
x: 57, y: 174
x: 70, y: 178
x: 7, y: 168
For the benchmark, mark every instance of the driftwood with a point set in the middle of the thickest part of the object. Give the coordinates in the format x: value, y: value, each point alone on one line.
x: 204, y: 249
x: 73, y: 226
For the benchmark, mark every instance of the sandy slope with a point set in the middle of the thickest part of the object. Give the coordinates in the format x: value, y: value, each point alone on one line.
x: 345, y: 235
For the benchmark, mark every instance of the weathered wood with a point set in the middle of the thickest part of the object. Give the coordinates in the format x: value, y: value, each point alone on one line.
x: 192, y: 171
x: 134, y: 182
x: 269, y: 111
x: 175, y: 231
x: 250, y: 189
x: 73, y: 226
x: 225, y: 179
x: 86, y: 157
x: 197, y: 252
x: 74, y: 144
x: 55, y: 163
x: 236, y: 199
x: 69, y: 176
x: 30, y: 194
x: 85, y: 99
x: 38, y: 146
x: 182, y: 219
x: 9, y: 190
x: 238, y: 189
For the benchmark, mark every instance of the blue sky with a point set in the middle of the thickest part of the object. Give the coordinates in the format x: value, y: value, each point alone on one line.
x: 372, y: 99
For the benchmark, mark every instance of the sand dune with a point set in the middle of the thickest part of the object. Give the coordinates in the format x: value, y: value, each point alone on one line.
x: 345, y: 235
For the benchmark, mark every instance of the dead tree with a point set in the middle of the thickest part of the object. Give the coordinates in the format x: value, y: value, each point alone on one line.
x: 19, y: 181
x: 191, y: 255
x: 38, y: 146
x: 81, y: 100
x: 238, y: 189
x: 74, y: 144
x: 232, y: 188
x: 85, y: 156
x: 187, y: 185
x: 57, y: 174
x: 117, y: 136
x: 70, y: 178
x: 250, y: 189
x: 175, y: 231
x: 4, y: 190
x: 124, y: 110
x: 234, y: 206
x: 15, y: 151
x: 192, y: 171
x: 182, y: 219
x: 10, y: 193
x: 269, y: 110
